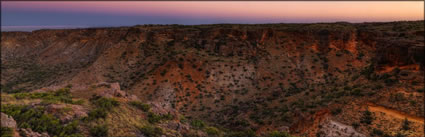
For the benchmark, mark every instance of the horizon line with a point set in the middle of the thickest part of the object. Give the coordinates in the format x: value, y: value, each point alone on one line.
x: 31, y: 28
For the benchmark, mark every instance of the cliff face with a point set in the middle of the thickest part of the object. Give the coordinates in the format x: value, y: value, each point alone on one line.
x: 237, y: 76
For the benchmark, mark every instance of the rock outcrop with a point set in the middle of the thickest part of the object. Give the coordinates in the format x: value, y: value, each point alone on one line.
x: 7, y: 121
x: 331, y: 128
x: 27, y: 132
x: 67, y: 112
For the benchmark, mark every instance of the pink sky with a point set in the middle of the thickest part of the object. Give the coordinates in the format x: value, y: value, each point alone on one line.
x: 355, y: 10
x: 32, y: 15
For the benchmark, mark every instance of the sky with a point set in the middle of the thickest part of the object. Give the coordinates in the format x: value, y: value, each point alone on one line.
x: 27, y: 16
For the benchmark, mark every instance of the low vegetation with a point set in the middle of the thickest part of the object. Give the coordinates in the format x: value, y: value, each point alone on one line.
x: 151, y: 131
x: 140, y: 105
x: 37, y: 120
x: 279, y: 134
x: 99, y: 131
x: 50, y: 97
x: 6, y: 132
x: 367, y: 117
x: 102, y: 106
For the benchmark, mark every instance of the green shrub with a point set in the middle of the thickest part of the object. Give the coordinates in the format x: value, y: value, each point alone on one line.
x: 104, y: 103
x: 320, y: 134
x: 360, y: 56
x: 338, y: 54
x: 197, y: 124
x: 183, y: 119
x: 191, y: 134
x: 103, y: 106
x: 398, y: 135
x: 356, y: 92
x: 99, y: 131
x: 97, y: 113
x: 140, y: 105
x: 279, y: 134
x: 6, y: 132
x: 167, y: 116
x: 163, y: 72
x: 377, y: 132
x: 390, y: 82
x: 336, y: 111
x: 154, y: 118
x: 151, y: 131
x: 397, y: 97
x: 367, y: 117
x: 247, y: 133
x: 405, y: 124
x: 60, y: 95
x: 355, y: 125
x: 69, y: 86
x: 38, y: 121
x: 212, y: 131
x: 368, y: 71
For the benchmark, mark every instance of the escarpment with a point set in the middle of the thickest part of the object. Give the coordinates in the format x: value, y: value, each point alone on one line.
x: 242, y: 77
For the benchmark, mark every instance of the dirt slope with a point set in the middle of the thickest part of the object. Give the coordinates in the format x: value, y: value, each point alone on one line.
x: 395, y: 113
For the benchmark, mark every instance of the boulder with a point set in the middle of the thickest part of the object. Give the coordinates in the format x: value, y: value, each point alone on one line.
x: 7, y: 121
x: 27, y: 132
x: 59, y: 110
x: 114, y: 90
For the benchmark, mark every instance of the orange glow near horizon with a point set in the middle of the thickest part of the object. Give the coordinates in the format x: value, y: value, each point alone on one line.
x: 354, y: 11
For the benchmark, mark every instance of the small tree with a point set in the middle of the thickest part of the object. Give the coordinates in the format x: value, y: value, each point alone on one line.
x: 405, y: 124
x: 367, y: 117
x: 355, y: 125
